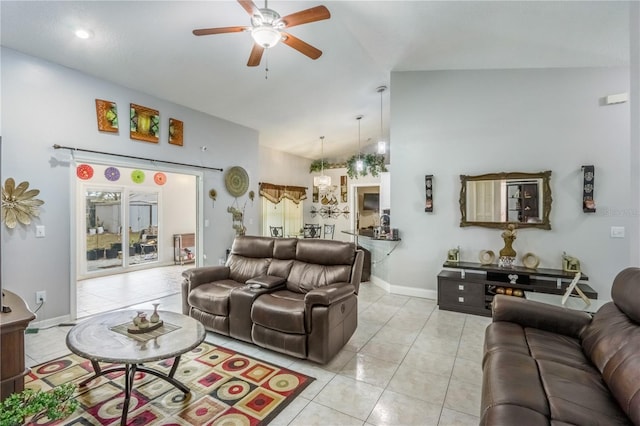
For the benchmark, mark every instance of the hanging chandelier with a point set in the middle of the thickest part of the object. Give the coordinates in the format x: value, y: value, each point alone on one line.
x: 359, y: 162
x: 323, y: 182
x: 382, y: 143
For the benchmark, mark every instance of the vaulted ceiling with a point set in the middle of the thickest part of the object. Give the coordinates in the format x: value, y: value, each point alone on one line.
x: 149, y: 46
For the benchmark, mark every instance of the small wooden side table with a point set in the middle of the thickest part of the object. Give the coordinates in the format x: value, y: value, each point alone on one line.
x: 12, y: 326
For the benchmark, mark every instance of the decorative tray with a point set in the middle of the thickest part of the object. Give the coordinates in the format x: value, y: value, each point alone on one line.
x: 133, y: 329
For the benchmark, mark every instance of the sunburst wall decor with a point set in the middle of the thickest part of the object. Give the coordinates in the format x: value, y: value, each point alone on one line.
x: 18, y: 203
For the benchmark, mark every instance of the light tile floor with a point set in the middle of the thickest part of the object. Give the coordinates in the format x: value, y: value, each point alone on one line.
x: 408, y: 363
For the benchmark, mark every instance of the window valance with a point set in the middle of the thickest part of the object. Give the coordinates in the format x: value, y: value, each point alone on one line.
x: 276, y: 193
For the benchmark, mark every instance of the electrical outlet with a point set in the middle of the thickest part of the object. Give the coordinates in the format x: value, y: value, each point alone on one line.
x: 221, y: 261
x: 41, y: 296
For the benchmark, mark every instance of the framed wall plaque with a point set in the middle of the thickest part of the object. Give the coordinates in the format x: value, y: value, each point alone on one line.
x: 428, y: 190
x: 588, y: 202
x: 176, y: 128
x: 145, y: 124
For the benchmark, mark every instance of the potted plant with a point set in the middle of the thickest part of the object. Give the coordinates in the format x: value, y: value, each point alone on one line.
x: 373, y: 164
x: 33, y: 405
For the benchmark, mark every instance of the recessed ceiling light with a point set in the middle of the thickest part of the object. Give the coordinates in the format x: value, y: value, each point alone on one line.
x: 84, y: 34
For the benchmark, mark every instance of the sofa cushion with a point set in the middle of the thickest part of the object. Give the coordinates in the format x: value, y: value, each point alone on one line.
x: 213, y: 297
x: 512, y: 378
x: 505, y: 336
x: 612, y: 342
x: 304, y: 277
x: 250, y: 246
x: 326, y: 252
x: 280, y: 268
x: 548, y: 346
x: 282, y: 310
x: 579, y: 397
x: 507, y: 414
x: 285, y: 248
x: 243, y: 268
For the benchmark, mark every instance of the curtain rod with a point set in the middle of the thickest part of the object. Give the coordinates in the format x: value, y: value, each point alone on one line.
x: 56, y: 146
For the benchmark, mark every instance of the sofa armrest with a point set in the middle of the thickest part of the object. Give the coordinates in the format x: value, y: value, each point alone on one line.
x: 196, y: 276
x: 528, y: 313
x: 328, y: 295
x: 267, y: 281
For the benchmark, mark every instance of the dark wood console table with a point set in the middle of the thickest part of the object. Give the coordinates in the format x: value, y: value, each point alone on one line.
x: 12, y: 326
x: 471, y: 286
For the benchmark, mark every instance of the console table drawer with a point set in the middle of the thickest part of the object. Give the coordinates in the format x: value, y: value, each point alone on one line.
x: 460, y: 293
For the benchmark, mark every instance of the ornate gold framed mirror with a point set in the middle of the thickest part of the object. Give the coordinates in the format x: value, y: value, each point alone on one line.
x: 493, y: 200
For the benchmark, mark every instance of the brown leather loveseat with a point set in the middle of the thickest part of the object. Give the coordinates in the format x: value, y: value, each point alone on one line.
x: 547, y: 365
x: 295, y: 296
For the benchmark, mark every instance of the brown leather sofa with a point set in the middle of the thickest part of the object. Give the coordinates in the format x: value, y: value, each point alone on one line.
x: 547, y: 365
x: 295, y: 296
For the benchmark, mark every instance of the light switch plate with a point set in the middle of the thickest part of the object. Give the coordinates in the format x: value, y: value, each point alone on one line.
x: 40, y: 231
x: 617, y: 232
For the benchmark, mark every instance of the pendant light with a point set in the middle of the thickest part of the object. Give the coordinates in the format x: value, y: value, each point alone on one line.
x: 322, y: 182
x: 382, y: 143
x: 359, y: 163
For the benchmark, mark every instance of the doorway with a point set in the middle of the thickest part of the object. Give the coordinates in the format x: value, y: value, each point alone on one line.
x: 127, y: 225
x: 365, y: 200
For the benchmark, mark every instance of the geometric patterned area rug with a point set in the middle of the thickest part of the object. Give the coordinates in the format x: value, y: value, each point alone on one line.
x: 227, y: 388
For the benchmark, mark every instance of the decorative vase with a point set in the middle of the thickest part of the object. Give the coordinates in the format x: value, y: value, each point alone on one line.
x: 155, y: 317
x: 136, y: 319
x: 509, y: 235
x: 144, y: 322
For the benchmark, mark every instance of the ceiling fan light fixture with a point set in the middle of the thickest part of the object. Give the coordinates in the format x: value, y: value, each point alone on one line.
x: 266, y: 36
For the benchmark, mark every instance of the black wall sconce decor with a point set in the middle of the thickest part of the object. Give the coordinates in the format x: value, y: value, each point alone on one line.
x: 588, y: 202
x: 428, y: 189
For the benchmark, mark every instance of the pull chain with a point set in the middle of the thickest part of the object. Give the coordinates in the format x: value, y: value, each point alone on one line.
x: 266, y: 64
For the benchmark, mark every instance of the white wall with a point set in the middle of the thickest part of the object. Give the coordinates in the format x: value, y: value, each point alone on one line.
x: 45, y: 104
x: 448, y: 123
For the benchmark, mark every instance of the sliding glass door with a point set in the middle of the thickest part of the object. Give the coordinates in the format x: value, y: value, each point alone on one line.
x: 103, y: 229
x: 120, y: 228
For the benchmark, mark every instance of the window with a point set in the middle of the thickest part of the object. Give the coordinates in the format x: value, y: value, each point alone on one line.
x: 282, y: 206
x: 286, y: 213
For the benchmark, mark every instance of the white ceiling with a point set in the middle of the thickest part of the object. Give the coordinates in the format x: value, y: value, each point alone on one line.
x: 148, y: 46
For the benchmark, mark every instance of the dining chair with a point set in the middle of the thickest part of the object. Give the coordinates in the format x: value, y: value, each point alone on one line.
x: 312, y: 230
x: 328, y: 231
x: 276, y: 231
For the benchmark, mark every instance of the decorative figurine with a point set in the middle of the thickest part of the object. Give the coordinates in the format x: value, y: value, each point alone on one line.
x: 570, y: 263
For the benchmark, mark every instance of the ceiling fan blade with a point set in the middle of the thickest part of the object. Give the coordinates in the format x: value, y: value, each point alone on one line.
x: 301, y: 46
x: 221, y: 30
x: 250, y: 7
x: 256, y: 55
x: 314, y: 14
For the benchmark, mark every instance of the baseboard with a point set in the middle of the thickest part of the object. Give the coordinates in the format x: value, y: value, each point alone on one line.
x: 51, y: 322
x: 402, y: 290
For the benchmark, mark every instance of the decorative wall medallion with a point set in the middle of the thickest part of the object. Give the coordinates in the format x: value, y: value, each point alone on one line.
x: 160, y: 178
x: 237, y: 181
x: 175, y: 132
x: 137, y: 176
x: 107, y: 114
x: 145, y: 124
x: 84, y: 171
x: 19, y: 204
x: 112, y: 174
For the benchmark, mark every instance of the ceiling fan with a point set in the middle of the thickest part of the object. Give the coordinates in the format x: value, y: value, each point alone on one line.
x: 267, y: 29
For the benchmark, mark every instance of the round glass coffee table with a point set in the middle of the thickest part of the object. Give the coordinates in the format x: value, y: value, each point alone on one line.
x: 104, y: 338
